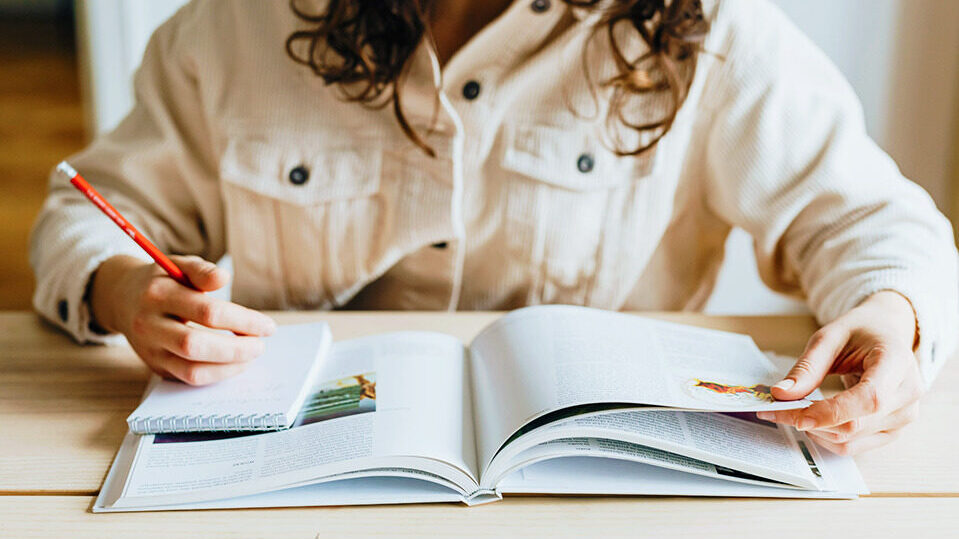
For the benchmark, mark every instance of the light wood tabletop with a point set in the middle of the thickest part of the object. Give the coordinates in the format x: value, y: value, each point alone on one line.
x: 62, y: 417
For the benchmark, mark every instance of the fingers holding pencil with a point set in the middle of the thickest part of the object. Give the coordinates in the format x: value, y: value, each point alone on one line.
x: 160, y: 306
x: 169, y: 325
x: 206, y: 310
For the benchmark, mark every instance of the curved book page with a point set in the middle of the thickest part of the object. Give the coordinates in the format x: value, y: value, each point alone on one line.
x: 730, y: 446
x: 538, y: 360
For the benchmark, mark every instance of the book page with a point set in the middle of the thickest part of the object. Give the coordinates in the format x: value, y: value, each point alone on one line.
x: 732, y: 442
x: 541, y: 359
x: 398, y: 400
x: 616, y: 449
x: 376, y: 490
x: 401, y: 486
x: 589, y: 475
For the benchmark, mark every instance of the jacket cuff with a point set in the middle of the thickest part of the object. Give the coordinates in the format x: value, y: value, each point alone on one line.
x: 936, y: 311
x: 62, y: 298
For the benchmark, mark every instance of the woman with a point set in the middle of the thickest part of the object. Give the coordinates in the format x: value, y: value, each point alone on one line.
x: 456, y: 154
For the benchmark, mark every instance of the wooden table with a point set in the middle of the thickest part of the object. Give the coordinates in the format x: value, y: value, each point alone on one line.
x: 62, y: 411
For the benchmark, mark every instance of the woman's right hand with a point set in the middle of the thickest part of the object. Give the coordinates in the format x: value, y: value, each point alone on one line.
x: 152, y: 310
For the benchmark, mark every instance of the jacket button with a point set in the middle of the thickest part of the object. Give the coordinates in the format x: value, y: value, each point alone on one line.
x: 63, y: 310
x: 539, y: 6
x: 585, y: 163
x: 471, y: 90
x: 299, y: 175
x: 440, y: 245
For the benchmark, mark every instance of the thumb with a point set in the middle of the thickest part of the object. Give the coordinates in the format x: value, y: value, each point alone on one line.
x: 813, y: 365
x: 205, y: 276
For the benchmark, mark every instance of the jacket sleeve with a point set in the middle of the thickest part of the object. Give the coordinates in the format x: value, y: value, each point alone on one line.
x: 789, y: 160
x: 157, y: 168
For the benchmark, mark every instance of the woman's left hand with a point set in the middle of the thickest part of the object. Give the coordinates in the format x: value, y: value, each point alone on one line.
x: 871, y: 347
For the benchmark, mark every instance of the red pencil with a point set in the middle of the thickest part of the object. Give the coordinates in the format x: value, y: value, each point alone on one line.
x: 161, y: 259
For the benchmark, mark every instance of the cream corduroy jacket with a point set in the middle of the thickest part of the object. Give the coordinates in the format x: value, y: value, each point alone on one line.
x: 233, y: 148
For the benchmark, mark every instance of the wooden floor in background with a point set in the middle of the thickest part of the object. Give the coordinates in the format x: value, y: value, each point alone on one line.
x: 41, y: 122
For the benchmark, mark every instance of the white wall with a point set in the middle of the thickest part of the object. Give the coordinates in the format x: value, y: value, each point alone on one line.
x: 112, y: 35
x: 902, y: 57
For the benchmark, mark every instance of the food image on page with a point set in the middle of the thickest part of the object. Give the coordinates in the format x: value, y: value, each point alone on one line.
x: 347, y: 396
x: 335, y: 398
x: 728, y: 394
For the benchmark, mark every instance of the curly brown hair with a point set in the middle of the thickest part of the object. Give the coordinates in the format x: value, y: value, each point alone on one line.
x: 368, y: 46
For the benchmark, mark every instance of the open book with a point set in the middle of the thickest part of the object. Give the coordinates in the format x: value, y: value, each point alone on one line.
x: 550, y: 399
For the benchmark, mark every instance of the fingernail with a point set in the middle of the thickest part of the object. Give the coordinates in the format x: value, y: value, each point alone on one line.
x: 766, y: 416
x: 807, y: 424
x: 785, y: 384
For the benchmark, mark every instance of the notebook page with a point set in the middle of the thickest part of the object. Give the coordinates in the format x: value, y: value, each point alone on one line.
x: 274, y: 383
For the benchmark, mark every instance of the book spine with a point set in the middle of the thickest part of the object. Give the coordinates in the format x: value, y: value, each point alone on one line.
x: 206, y: 423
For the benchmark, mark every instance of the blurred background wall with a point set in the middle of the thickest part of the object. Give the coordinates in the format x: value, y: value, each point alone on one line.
x: 901, y: 56
x: 41, y: 121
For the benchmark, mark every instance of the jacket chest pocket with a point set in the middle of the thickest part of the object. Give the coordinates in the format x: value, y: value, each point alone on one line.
x: 310, y: 225
x: 301, y: 220
x: 565, y: 195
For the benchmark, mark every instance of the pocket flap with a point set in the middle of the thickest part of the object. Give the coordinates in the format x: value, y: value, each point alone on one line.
x: 570, y: 158
x: 301, y: 173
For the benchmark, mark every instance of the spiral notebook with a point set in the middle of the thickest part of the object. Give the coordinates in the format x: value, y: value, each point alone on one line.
x: 266, y: 396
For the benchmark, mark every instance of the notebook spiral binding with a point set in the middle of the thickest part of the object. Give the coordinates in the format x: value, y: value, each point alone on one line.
x: 206, y: 423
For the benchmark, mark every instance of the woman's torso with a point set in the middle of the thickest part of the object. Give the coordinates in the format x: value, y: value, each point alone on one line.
x: 327, y: 204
